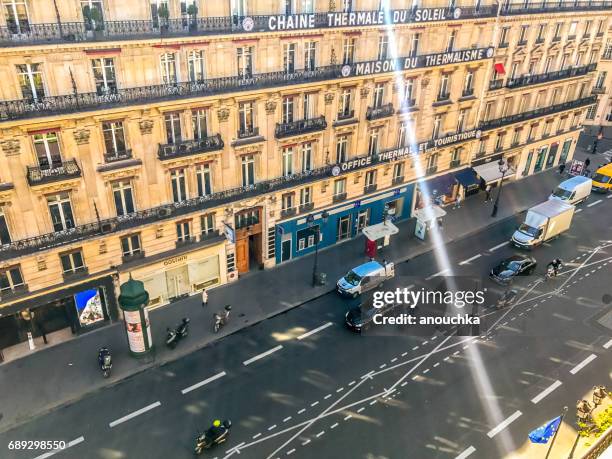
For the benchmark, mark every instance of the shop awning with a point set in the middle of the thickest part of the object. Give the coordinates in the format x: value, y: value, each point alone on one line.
x: 489, y: 172
x: 439, y: 185
x: 429, y: 213
x: 380, y: 230
x: 467, y: 178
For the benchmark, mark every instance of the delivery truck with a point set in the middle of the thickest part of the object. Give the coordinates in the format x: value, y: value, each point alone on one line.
x: 573, y: 190
x: 543, y: 223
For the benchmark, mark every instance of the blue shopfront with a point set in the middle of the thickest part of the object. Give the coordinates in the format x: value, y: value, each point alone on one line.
x: 297, y: 237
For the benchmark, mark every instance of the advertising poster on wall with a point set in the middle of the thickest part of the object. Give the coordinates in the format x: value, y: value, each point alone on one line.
x: 135, y: 334
x: 89, y: 307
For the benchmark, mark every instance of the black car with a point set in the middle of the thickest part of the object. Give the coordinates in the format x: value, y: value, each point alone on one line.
x: 517, y: 265
x: 362, y: 317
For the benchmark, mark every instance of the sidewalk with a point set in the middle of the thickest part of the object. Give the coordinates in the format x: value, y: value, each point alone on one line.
x: 69, y: 370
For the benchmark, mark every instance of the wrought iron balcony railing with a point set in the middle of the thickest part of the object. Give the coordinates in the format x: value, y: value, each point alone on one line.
x: 397, y: 180
x: 467, y: 92
x: 346, y: 115
x: 519, y: 117
x: 549, y: 76
x: 38, y: 175
x: 289, y: 212
x: 339, y: 197
x: 62, y: 32
x: 117, y: 156
x: 370, y: 188
x: 190, y: 147
x: 306, y: 207
x: 558, y: 6
x: 300, y: 127
x: 249, y: 131
x: 374, y: 113
x: 495, y: 84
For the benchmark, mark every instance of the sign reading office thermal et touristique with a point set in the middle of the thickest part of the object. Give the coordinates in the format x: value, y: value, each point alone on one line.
x: 360, y: 18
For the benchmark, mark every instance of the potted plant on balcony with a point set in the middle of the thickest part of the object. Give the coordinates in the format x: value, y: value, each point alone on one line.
x: 164, y: 15
x: 192, y: 11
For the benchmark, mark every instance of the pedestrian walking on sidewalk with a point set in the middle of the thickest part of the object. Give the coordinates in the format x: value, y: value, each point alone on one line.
x: 457, y: 202
x: 204, y: 297
x: 488, y: 193
x: 561, y: 168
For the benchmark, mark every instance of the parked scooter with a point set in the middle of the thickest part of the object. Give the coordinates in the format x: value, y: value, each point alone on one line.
x: 174, y: 336
x: 105, y: 361
x: 221, y: 318
x: 216, y: 435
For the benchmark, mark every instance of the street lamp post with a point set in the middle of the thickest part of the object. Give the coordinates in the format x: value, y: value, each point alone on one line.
x: 503, y: 168
x: 315, y: 267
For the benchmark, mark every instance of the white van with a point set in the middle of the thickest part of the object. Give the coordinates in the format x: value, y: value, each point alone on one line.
x: 364, y: 277
x: 574, y: 190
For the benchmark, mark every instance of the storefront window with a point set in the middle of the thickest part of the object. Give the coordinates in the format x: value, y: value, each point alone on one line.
x: 306, y: 237
x: 89, y: 307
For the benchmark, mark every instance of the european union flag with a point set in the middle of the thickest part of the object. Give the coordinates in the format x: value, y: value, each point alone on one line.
x: 543, y: 433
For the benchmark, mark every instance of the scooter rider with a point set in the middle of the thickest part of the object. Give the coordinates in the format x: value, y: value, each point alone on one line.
x: 555, y: 265
x: 215, y: 430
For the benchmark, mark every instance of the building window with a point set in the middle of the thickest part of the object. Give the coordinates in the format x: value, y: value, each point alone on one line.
x: 31, y: 81
x: 183, y: 231
x: 306, y: 237
x: 456, y: 157
x: 306, y: 196
x: 516, y: 135
x: 179, y: 185
x: 288, y: 104
x: 199, y: 123
x: 246, y: 114
x: 287, y: 201
x: 432, y: 163
x: 207, y: 224
x: 114, y: 138
x: 587, y: 27
x: 204, y: 180
x: 339, y: 187
x: 47, y: 150
x: 289, y: 57
x: 309, y: 103
x: 499, y: 143
x: 461, y: 119
x: 345, y: 103
x: 572, y: 29
x: 195, y: 65
x: 247, y: 218
x: 379, y: 95
x: 5, y: 235
x: 558, y: 27
x: 383, y: 47
x: 173, y: 128
x: 104, y: 75
x: 532, y: 132
x: 547, y: 128
x: 348, y: 51
x: 156, y: 5
x: 409, y: 90
x: 540, y: 159
x: 528, y: 163
x: 122, y: 195
x: 414, y: 44
x: 16, y: 14
x: 10, y: 279
x: 450, y: 44
x: 541, y: 32
x: 239, y: 8
x: 402, y: 135
x: 72, y: 262
x: 287, y: 161
x: 503, y: 38
x: 601, y: 79
x: 398, y: 171
x: 443, y: 93
x: 306, y: 157
x: 482, y: 146
x: 507, y: 107
x: 347, y: 6
x: 468, y: 85
x: 370, y: 178
x: 592, y: 110
x: 168, y: 68
x: 437, y: 124
x: 341, y: 149
x: 245, y: 61
x: 248, y: 170
x: 310, y: 55
x: 130, y: 245
x: 373, y: 142
x: 523, y: 34
x: 60, y: 210
x: 488, y: 112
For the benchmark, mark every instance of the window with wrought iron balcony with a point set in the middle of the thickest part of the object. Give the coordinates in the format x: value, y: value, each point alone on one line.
x: 383, y: 111
x: 303, y: 126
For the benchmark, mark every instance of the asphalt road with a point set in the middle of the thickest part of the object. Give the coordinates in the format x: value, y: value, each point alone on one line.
x: 305, y: 396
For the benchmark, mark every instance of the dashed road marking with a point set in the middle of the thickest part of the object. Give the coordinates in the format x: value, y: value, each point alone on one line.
x: 583, y: 364
x: 312, y: 332
x: 291, y: 451
x: 594, y: 203
x: 505, y: 423
x: 288, y: 418
x: 348, y: 417
x: 256, y: 435
x: 498, y: 246
x: 327, y: 396
x: 439, y: 273
x: 302, y: 410
x: 314, y: 403
x: 272, y: 427
x: 202, y: 383
x: 71, y: 443
x: 361, y: 409
x: 306, y: 442
x: 475, y: 257
x: 466, y: 453
x: 609, y: 343
x: 320, y: 433
x: 545, y: 392
x: 134, y: 414
x: 262, y: 355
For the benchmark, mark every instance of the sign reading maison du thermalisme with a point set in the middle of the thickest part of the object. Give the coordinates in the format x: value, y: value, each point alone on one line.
x: 361, y: 18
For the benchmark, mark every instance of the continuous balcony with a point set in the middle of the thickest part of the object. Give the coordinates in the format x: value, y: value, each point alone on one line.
x: 526, y: 116
x: 527, y: 80
x: 555, y: 7
x: 190, y: 147
x: 300, y: 127
x: 75, y: 32
x: 384, y: 111
x: 57, y: 171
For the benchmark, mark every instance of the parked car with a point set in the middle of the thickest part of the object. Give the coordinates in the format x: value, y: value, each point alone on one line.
x: 508, y: 269
x: 364, y: 277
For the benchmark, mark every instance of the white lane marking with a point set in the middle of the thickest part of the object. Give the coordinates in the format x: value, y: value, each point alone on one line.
x: 610, y: 196
x: 436, y: 364
x: 320, y: 433
x: 444, y: 271
x: 334, y: 426
x: 594, y: 203
x: 415, y: 348
x: 475, y: 257
x: 360, y: 409
x: 202, y: 383
x: 372, y: 402
x: 498, y: 246
x: 509, y: 420
x: 302, y: 410
x: 466, y: 453
x: 314, y: 403
x: 404, y: 354
x: 583, y: 364
x: 545, y: 392
x: 426, y: 371
x: 342, y: 388
x: 291, y: 451
x: 288, y: 418
x: 306, y: 442
x: 272, y: 427
x: 327, y: 396
x: 134, y: 414
x: 348, y: 417
x: 394, y: 360
x: 609, y: 343
x: 578, y: 211
x: 262, y: 355
x: 256, y: 435
x: 312, y: 332
x: 71, y: 443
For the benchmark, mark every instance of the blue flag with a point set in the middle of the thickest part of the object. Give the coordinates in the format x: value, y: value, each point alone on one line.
x: 543, y: 433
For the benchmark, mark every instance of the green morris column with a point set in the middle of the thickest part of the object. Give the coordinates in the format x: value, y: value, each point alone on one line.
x: 132, y: 300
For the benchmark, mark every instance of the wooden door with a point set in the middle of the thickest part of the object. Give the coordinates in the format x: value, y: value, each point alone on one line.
x: 242, y: 255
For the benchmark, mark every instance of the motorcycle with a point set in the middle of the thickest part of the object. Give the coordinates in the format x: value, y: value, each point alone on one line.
x: 174, y: 336
x: 213, y: 436
x: 507, y: 299
x: 221, y: 318
x: 105, y: 361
